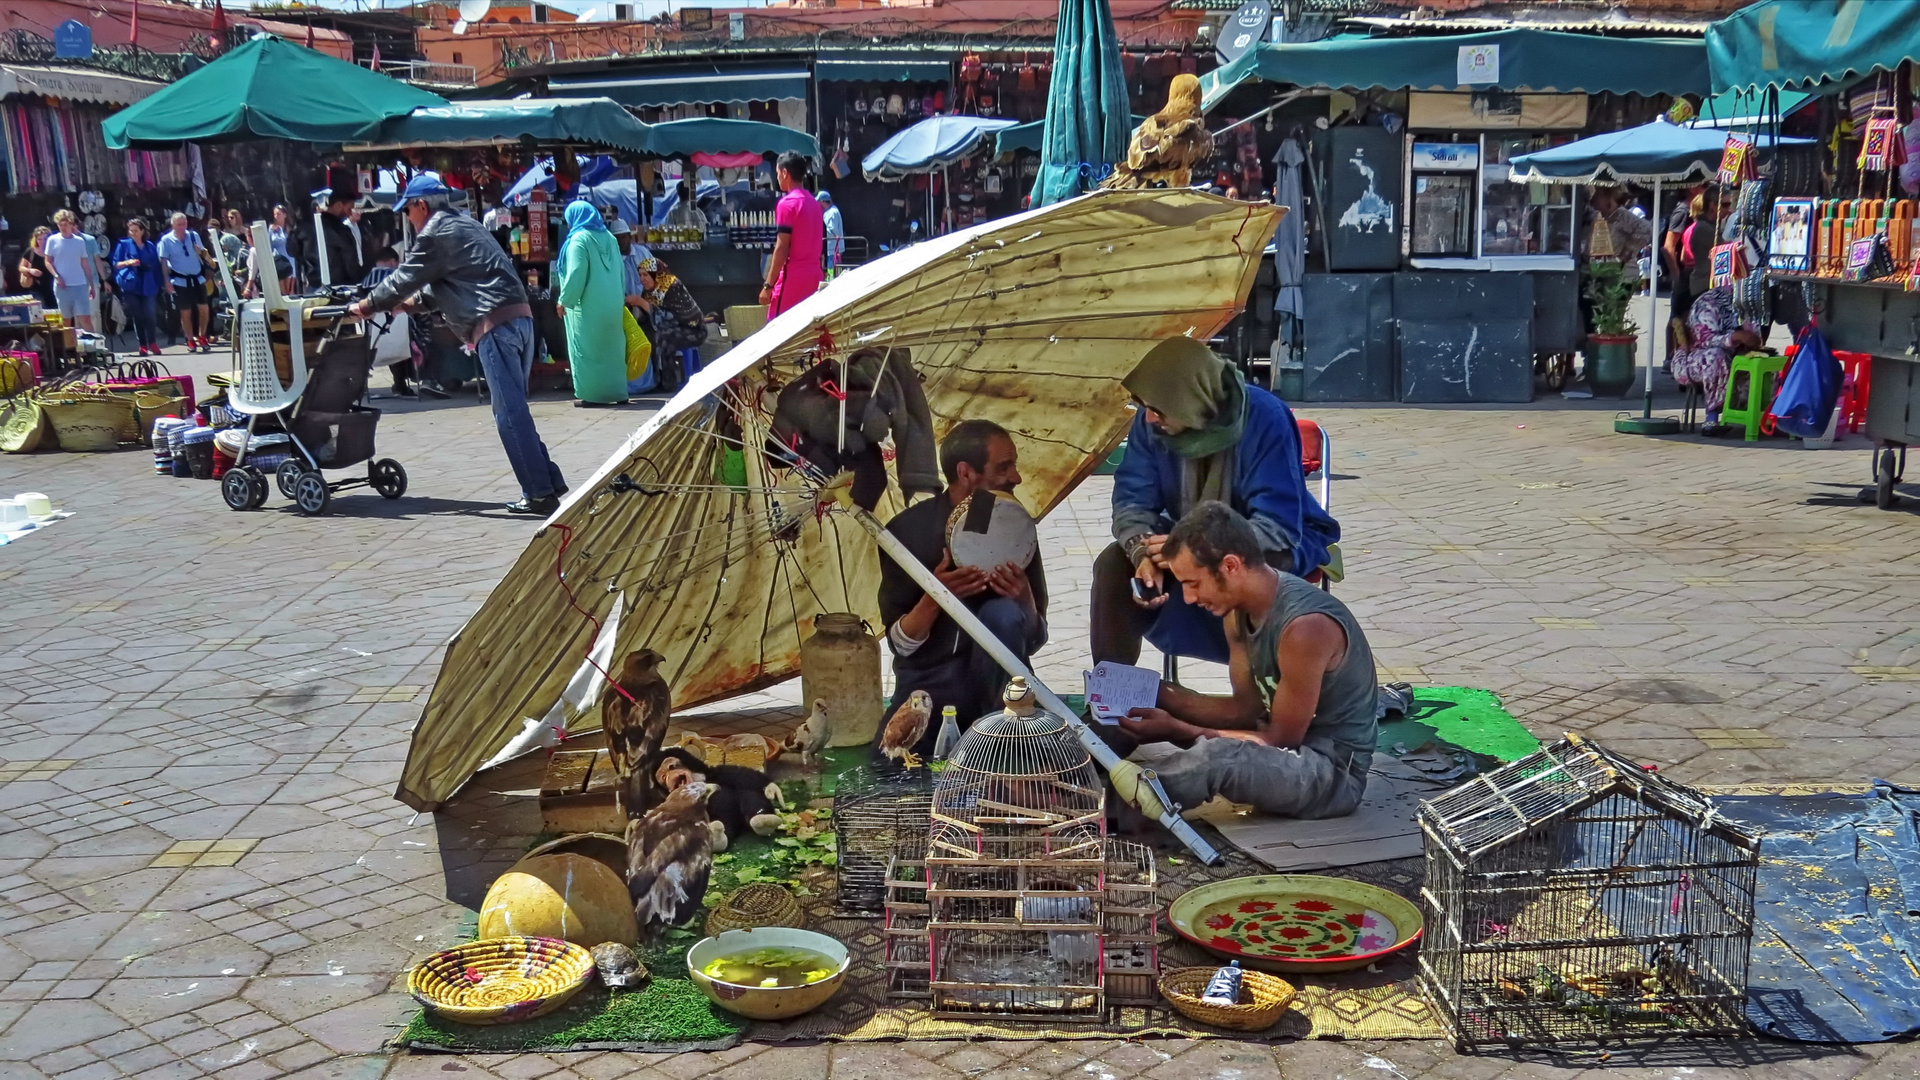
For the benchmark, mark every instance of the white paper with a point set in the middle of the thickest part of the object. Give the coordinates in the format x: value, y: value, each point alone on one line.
x: 1478, y: 65
x: 1115, y: 689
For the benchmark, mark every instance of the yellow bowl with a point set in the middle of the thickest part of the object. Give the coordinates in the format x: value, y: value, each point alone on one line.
x: 760, y: 1002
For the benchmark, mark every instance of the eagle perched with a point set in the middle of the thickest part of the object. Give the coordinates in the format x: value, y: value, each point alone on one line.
x: 669, y: 858
x: 634, y: 711
x: 1167, y: 145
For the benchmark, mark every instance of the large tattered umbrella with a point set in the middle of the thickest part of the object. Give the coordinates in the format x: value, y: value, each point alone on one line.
x: 721, y: 559
x: 1088, y: 121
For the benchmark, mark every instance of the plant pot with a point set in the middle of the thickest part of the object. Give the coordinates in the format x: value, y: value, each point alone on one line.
x: 1610, y: 364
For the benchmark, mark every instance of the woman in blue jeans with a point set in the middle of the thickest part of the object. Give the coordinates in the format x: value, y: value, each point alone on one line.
x: 136, y: 273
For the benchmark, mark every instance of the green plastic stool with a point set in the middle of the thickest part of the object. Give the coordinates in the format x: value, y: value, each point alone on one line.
x: 1743, y: 375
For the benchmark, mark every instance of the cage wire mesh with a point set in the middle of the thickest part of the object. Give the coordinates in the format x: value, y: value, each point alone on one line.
x: 874, y: 813
x: 1571, y: 896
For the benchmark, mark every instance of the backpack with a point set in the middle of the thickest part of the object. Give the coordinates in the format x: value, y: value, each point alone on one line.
x: 1803, y: 405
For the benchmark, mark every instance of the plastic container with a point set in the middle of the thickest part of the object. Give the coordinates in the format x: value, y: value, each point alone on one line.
x: 840, y: 664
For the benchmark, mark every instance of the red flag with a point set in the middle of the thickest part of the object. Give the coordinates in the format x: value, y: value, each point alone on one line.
x: 219, y: 27
x: 376, y: 57
x: 133, y: 35
x: 309, y: 31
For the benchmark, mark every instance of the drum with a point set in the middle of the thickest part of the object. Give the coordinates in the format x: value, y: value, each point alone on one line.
x: 990, y: 530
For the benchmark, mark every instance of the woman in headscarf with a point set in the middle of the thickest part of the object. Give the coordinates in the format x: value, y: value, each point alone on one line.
x: 1715, y: 334
x: 592, y: 297
x: 1199, y: 433
x: 677, y: 321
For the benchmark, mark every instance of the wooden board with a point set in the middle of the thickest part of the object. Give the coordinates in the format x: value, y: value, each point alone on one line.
x: 581, y: 794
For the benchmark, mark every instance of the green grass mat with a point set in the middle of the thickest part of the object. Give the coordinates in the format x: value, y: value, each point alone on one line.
x: 666, y: 1011
x: 1470, y: 719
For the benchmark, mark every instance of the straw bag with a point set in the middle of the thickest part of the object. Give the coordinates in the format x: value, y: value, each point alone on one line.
x: 151, y: 405
x: 89, y: 421
x: 22, y: 425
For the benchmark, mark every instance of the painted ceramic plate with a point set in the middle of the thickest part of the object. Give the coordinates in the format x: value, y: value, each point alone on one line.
x: 1296, y: 922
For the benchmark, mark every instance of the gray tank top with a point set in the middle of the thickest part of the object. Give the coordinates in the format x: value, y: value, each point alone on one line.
x: 1346, y: 717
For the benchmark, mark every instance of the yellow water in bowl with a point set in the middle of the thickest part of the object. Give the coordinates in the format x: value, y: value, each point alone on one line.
x: 773, y: 967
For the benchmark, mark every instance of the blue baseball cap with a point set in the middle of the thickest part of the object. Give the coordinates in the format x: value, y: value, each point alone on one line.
x: 421, y: 186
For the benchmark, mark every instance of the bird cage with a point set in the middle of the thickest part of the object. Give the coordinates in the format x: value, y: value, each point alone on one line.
x: 1016, y: 867
x: 1572, y: 896
x: 873, y: 814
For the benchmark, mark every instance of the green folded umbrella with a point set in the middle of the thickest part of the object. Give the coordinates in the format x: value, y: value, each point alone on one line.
x: 267, y: 89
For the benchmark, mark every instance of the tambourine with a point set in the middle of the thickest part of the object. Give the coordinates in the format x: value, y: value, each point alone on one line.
x: 990, y: 530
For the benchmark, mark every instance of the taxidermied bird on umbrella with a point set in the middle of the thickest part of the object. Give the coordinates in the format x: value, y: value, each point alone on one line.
x: 905, y: 727
x: 1168, y: 144
x: 635, y: 711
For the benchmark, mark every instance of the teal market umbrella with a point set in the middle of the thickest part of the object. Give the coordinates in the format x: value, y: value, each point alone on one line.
x: 1088, y: 120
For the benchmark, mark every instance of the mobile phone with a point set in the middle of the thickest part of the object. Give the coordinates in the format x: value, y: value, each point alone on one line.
x: 1143, y: 592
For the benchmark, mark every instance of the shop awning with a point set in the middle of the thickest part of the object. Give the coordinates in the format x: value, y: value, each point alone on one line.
x: 586, y: 122
x: 689, y: 83
x: 882, y: 67
x: 713, y: 135
x: 74, y: 84
x: 1661, y: 150
x: 266, y: 89
x: 1748, y: 108
x: 1027, y: 136
x: 1802, y: 43
x: 930, y: 145
x: 1540, y: 61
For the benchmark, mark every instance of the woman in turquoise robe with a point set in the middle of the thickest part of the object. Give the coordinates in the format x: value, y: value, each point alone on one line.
x: 593, y: 298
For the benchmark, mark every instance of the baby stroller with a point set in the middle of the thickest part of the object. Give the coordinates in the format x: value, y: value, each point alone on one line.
x: 319, y: 406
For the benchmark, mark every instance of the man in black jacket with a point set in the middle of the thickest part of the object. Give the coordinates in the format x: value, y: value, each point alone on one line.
x: 344, y: 264
x: 459, y: 270
x: 929, y: 651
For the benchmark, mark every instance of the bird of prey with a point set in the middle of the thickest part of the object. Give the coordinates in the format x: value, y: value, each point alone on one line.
x: 634, y: 711
x: 905, y: 727
x: 1167, y: 145
x: 811, y: 736
x: 669, y: 857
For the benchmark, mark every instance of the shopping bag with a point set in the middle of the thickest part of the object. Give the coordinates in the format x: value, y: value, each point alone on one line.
x: 1737, y: 165
x: 1804, y: 402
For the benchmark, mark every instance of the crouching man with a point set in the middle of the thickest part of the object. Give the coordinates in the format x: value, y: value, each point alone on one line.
x: 1296, y: 737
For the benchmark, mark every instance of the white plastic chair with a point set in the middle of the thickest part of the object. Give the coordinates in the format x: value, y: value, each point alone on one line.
x: 260, y: 390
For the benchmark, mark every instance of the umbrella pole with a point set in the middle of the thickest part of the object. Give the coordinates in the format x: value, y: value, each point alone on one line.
x: 975, y: 629
x: 1647, y: 423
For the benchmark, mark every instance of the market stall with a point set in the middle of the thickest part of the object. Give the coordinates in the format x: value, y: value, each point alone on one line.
x: 927, y: 152
x: 1850, y: 250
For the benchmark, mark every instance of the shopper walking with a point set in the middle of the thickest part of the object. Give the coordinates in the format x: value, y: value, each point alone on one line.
x: 793, y: 271
x: 475, y: 288
x: 592, y: 284
x: 36, y: 277
x: 137, y: 274
x: 186, y: 257
x: 75, y: 281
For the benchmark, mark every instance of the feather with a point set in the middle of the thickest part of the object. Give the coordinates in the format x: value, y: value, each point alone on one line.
x: 635, y: 712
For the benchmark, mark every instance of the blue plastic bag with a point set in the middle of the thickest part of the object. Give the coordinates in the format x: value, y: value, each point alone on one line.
x: 1804, y: 403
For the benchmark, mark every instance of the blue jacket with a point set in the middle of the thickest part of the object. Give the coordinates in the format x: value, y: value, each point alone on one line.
x: 142, y: 280
x: 1269, y: 488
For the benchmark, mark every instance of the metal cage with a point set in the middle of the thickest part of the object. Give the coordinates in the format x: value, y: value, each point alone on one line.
x: 873, y: 815
x: 1572, y: 896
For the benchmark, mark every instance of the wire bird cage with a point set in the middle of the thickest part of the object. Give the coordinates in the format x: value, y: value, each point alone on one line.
x: 1016, y: 865
x: 874, y: 813
x: 1573, y: 897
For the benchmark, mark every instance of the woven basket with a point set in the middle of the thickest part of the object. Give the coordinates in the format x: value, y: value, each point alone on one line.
x: 1264, y: 998
x: 22, y: 425
x: 149, y: 405
x: 87, y: 422
x: 752, y: 906
x: 500, y: 980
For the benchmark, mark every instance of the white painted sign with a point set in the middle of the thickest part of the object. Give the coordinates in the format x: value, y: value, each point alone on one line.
x: 1479, y: 65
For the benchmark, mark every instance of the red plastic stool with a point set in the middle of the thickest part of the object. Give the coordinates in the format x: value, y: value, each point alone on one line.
x: 1856, y: 383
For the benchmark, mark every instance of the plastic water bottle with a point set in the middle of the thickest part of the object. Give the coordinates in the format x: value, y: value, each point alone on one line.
x: 949, y: 736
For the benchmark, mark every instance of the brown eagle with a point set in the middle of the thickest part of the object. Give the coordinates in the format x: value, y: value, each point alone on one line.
x: 636, y: 723
x: 1167, y: 145
x: 669, y: 857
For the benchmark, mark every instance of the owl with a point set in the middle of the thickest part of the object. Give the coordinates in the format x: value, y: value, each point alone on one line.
x: 905, y: 727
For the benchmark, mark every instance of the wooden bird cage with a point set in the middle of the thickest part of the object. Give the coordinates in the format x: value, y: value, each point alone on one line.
x: 1572, y: 896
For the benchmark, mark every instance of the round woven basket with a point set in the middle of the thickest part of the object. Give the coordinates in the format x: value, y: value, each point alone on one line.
x: 752, y: 906
x: 1263, y: 998
x: 500, y: 980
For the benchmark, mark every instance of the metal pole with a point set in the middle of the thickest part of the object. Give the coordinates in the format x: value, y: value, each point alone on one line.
x: 1655, y: 332
x: 975, y: 629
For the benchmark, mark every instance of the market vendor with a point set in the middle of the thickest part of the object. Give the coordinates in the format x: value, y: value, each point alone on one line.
x: 1200, y: 433
x: 1296, y: 736
x: 1715, y: 335
x: 930, y: 652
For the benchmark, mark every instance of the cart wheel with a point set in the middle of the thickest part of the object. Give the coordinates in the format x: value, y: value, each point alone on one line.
x: 1556, y: 375
x: 388, y: 478
x: 236, y: 487
x: 1883, y: 482
x: 288, y: 476
x: 257, y: 480
x: 311, y: 494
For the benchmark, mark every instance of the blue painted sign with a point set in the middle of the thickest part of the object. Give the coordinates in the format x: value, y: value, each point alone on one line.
x: 72, y: 40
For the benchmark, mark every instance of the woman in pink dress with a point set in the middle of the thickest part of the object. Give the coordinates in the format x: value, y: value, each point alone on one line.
x: 793, y: 271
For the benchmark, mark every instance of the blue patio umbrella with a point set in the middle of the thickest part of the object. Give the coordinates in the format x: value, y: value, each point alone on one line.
x: 594, y: 170
x: 1088, y: 121
x: 929, y: 146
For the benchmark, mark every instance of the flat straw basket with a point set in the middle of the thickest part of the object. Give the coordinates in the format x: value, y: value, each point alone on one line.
x: 500, y: 980
x: 753, y: 906
x: 1263, y: 998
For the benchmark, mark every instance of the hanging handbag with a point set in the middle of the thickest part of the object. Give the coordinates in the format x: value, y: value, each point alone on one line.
x: 1883, y: 146
x: 1729, y: 263
x: 1737, y: 164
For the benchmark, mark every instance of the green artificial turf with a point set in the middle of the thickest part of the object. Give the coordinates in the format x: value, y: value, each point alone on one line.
x: 1461, y: 716
x: 666, y: 1010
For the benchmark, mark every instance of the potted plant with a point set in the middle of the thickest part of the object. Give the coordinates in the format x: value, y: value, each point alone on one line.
x: 1610, y: 346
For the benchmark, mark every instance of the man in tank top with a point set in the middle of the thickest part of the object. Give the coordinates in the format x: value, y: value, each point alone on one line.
x: 1296, y: 736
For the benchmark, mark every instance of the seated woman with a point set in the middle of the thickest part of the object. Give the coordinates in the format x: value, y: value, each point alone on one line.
x: 1201, y: 434
x: 676, y: 320
x: 1715, y: 336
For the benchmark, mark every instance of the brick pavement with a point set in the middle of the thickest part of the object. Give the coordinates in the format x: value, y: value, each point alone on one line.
x: 203, y: 713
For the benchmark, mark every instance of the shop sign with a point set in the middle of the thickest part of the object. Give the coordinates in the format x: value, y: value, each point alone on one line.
x: 72, y: 40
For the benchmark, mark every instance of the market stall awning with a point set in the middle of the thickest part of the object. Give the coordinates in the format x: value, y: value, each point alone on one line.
x: 1538, y: 61
x: 1662, y: 151
x: 75, y: 84
x: 883, y: 67
x: 267, y: 89
x: 1800, y: 43
x: 585, y: 122
x: 1749, y: 107
x: 714, y: 135
x: 689, y: 83
x: 930, y: 145
x: 1027, y: 136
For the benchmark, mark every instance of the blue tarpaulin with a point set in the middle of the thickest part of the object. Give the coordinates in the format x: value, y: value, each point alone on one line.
x: 1837, y: 934
x: 1661, y: 150
x: 930, y: 145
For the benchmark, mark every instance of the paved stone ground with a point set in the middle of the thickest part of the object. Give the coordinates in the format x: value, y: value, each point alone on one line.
x: 203, y: 713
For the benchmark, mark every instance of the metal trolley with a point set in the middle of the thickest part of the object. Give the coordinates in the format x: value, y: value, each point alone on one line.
x: 320, y: 406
